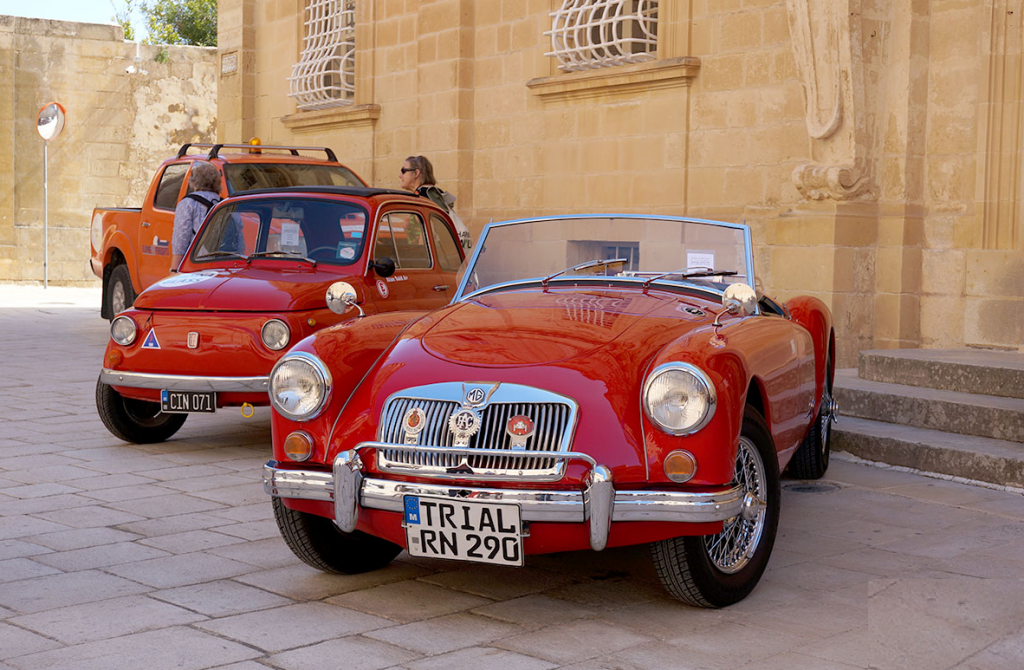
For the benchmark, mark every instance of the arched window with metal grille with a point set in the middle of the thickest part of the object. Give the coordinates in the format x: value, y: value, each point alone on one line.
x: 591, y: 34
x: 325, y: 74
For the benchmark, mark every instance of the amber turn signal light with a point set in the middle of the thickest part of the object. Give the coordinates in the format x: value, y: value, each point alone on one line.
x: 298, y: 446
x: 680, y: 466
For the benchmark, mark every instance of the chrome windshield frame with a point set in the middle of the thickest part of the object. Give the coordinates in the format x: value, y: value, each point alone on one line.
x: 481, y: 244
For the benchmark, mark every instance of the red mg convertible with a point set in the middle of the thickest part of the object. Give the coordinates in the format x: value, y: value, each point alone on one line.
x: 267, y: 269
x: 596, y: 381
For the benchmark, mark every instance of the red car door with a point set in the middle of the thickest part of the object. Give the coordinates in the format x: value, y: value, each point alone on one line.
x: 417, y: 283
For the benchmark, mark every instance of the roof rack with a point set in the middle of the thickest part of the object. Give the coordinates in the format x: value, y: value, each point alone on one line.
x: 254, y: 148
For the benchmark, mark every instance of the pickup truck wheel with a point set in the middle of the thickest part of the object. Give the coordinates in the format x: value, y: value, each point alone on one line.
x: 136, y: 421
x: 120, y: 294
x: 811, y: 460
x: 319, y: 543
x: 722, y: 569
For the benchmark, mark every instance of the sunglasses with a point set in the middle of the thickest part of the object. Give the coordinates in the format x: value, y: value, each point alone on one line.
x: 404, y: 170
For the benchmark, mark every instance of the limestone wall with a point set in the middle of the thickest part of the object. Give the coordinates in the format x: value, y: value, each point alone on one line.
x: 120, y: 127
x: 874, y: 146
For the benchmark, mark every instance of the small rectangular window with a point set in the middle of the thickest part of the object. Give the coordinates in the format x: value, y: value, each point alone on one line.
x: 445, y: 245
x: 169, y: 188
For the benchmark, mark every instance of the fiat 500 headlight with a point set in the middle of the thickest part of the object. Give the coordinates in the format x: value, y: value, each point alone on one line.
x: 275, y: 334
x: 123, y: 330
x: 299, y: 386
x: 679, y: 398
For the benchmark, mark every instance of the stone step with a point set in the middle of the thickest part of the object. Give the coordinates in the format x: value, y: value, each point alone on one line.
x: 934, y: 409
x: 979, y: 458
x: 998, y: 373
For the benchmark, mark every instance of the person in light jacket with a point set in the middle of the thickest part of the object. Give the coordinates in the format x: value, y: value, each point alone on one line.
x: 417, y: 174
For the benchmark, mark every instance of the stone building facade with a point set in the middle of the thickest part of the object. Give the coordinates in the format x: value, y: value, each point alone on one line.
x: 120, y: 126
x: 874, y: 146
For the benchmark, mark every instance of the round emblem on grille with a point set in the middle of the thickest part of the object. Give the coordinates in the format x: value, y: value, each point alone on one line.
x: 414, y: 420
x: 475, y: 396
x: 519, y: 429
x: 520, y: 426
x: 464, y: 424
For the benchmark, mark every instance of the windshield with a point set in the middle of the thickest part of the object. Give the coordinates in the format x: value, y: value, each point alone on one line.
x: 325, y: 231
x: 251, y: 176
x: 636, y: 249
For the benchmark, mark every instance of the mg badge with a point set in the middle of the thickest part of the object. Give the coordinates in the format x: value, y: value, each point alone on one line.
x: 464, y: 424
x: 193, y: 340
x: 413, y: 423
x: 475, y: 396
x: 519, y: 428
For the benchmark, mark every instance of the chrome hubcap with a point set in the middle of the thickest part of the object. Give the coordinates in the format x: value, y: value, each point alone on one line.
x: 731, y: 550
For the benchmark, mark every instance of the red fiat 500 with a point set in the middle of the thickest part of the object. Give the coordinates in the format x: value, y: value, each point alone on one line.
x: 597, y: 381
x: 266, y: 270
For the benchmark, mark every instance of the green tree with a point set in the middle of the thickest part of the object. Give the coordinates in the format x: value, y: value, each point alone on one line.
x: 181, y: 21
x: 123, y: 17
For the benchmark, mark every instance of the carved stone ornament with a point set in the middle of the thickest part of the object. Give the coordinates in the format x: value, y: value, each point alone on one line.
x: 839, y: 182
x: 815, y: 33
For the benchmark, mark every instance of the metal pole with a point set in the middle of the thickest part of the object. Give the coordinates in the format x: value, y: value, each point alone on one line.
x: 46, y: 223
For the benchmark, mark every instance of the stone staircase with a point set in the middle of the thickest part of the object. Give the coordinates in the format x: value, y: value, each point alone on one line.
x: 956, y: 412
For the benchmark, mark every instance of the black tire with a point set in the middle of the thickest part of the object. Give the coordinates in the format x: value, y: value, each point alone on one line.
x: 693, y: 569
x: 119, y: 294
x: 136, y: 421
x: 811, y: 459
x: 319, y: 543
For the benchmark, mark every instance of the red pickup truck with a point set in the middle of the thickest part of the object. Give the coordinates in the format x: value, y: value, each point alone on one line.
x: 131, y: 246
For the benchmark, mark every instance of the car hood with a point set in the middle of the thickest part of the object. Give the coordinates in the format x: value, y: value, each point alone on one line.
x: 593, y: 346
x: 535, y: 327
x: 251, y: 289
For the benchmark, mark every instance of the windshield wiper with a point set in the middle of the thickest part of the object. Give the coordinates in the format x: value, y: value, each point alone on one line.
x: 687, y: 273
x: 597, y: 262
x: 219, y: 254
x: 291, y: 254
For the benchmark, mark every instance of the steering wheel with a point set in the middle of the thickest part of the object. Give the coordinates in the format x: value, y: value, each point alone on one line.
x: 333, y: 250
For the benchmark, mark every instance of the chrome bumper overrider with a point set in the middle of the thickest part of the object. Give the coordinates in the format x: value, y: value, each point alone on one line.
x: 143, y: 380
x: 599, y: 503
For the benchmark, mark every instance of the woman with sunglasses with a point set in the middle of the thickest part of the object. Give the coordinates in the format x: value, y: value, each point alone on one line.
x: 417, y: 174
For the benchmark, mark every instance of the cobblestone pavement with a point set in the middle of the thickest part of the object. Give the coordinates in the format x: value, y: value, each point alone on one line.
x: 167, y: 556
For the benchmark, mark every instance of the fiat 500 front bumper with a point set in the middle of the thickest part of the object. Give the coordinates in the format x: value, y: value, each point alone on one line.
x: 144, y: 380
x: 599, y: 503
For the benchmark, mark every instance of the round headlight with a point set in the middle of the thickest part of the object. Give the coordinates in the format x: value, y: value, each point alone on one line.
x: 123, y: 330
x: 275, y: 334
x: 299, y: 386
x: 679, y: 398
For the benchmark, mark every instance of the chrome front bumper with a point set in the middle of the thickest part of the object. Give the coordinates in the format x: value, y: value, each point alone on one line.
x: 599, y: 503
x: 143, y: 380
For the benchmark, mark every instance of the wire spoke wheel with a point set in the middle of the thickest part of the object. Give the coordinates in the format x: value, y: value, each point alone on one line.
x: 731, y: 550
x: 721, y: 569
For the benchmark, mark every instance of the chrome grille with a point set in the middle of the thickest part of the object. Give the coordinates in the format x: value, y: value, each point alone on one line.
x: 553, y: 422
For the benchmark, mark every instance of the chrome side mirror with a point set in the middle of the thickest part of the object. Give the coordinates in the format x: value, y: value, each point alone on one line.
x: 341, y: 298
x: 739, y: 299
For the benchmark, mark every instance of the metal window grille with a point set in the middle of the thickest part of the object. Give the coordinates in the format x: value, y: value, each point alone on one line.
x: 325, y: 75
x: 590, y: 34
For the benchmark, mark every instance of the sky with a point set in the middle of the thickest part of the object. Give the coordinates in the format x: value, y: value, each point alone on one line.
x: 87, y: 11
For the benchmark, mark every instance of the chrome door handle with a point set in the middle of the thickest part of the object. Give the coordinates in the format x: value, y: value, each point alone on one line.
x: 441, y: 287
x: 145, y: 224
